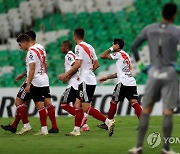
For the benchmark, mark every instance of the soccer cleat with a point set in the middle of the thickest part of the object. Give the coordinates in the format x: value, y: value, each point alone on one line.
x: 24, y: 130
x: 164, y: 151
x: 41, y: 133
x: 103, y: 126
x: 53, y: 130
x: 135, y: 150
x: 111, y: 126
x: 74, y: 133
x: 85, y: 128
x: 8, y: 128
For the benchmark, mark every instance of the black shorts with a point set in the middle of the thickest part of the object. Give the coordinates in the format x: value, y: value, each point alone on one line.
x: 39, y: 93
x: 69, y: 95
x: 36, y: 93
x: 23, y: 95
x: 121, y: 92
x: 86, y: 92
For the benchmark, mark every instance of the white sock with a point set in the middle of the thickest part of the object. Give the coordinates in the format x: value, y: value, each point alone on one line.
x: 27, y: 125
x: 85, y: 125
x: 44, y: 129
x: 76, y: 129
x: 86, y: 115
x: 107, y: 122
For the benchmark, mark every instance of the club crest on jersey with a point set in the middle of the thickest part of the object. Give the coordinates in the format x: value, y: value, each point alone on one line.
x: 114, y: 54
x: 69, y: 58
x: 31, y: 57
x: 77, y: 52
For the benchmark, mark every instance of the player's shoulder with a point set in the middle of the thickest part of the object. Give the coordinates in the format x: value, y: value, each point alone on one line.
x: 124, y: 54
x: 70, y: 54
x: 152, y: 26
x: 37, y: 45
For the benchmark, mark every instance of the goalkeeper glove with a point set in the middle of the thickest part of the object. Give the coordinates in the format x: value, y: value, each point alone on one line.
x: 140, y: 65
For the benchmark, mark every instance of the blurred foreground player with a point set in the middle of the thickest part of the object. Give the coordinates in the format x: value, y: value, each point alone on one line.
x: 162, y: 82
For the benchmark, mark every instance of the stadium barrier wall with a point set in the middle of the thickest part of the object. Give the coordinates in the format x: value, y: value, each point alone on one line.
x: 101, y: 101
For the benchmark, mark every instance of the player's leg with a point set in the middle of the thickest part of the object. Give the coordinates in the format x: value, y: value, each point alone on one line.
x: 22, y: 112
x: 13, y: 127
x: 21, y: 109
x: 152, y: 94
x: 69, y: 96
x: 167, y: 127
x: 50, y: 110
x: 37, y: 94
x: 169, y: 91
x: 43, y: 117
x: 86, y: 95
x: 118, y: 95
x: 132, y: 96
x: 51, y: 113
x: 143, y: 125
x: 78, y: 119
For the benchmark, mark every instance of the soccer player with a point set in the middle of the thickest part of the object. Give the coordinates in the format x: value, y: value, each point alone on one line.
x: 23, y: 98
x: 162, y: 82
x: 37, y: 80
x: 126, y: 86
x: 47, y: 101
x: 86, y: 62
x: 72, y: 89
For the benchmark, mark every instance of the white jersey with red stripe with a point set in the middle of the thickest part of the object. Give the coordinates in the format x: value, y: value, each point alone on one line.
x: 37, y: 54
x: 123, y: 68
x: 86, y: 73
x: 69, y: 60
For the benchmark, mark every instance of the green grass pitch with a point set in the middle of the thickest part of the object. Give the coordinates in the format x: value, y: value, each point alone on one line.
x: 95, y: 141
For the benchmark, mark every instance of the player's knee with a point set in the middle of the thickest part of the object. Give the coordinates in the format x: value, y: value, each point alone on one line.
x: 85, y: 107
x: 18, y: 101
x: 167, y: 111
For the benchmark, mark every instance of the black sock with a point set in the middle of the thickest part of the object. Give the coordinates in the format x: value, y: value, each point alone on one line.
x: 143, y: 125
x: 167, y: 130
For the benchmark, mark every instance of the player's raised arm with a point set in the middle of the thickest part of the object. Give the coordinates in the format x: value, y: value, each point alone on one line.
x: 106, y: 54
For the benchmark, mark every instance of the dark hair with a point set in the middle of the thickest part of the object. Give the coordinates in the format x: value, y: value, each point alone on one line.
x: 68, y: 43
x: 23, y: 38
x: 120, y: 42
x: 79, y: 32
x: 31, y: 34
x: 169, y: 10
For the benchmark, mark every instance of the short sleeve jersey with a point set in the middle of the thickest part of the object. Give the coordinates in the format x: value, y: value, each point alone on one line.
x: 86, y: 73
x: 123, y: 68
x: 36, y: 54
x: 68, y: 63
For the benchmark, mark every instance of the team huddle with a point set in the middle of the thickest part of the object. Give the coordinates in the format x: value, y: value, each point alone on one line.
x: 79, y: 74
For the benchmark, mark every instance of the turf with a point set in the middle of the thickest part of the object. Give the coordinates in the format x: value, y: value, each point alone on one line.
x: 95, y: 141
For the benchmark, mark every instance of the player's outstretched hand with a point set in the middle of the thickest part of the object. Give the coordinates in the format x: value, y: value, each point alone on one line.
x: 63, y: 77
x: 19, y: 77
x: 101, y: 80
